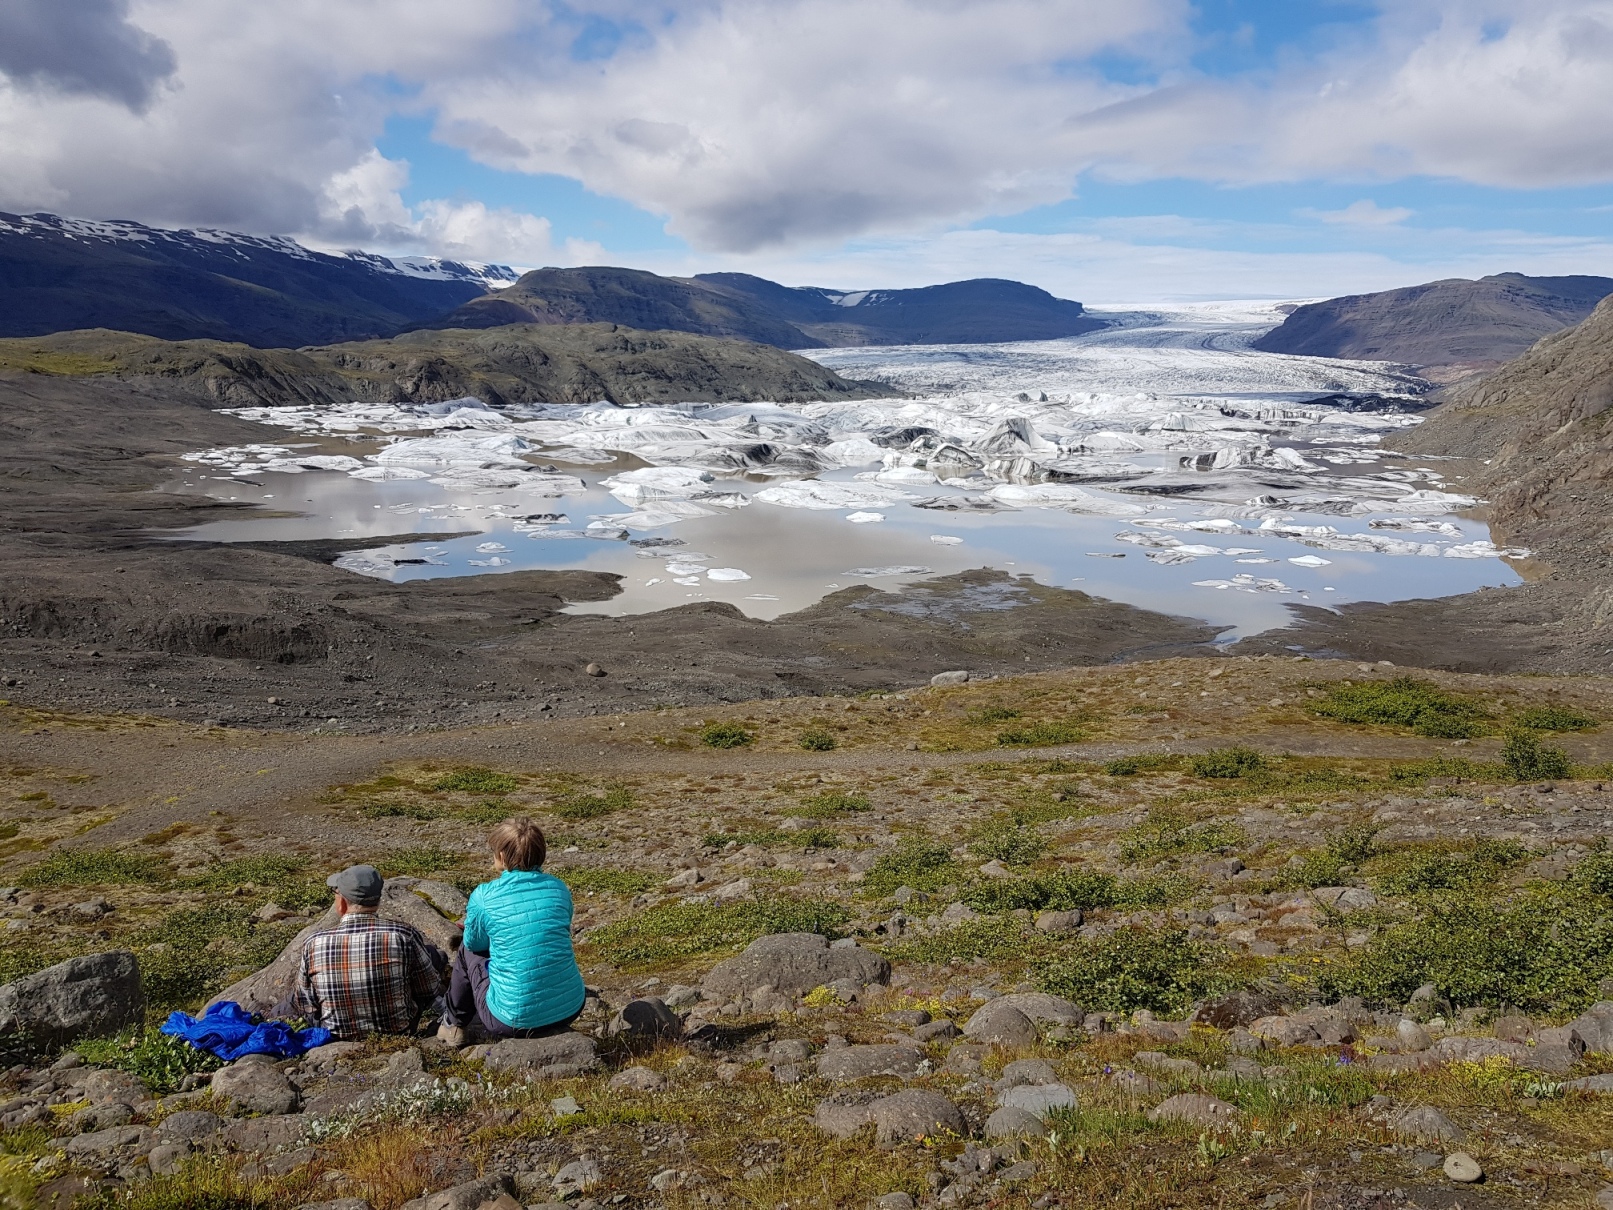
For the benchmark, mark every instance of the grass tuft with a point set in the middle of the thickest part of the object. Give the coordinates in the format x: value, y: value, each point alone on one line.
x: 1161, y: 970
x: 818, y: 740
x: 1405, y: 702
x: 1228, y: 763
x: 476, y: 781
x: 916, y: 863
x: 94, y: 867
x: 724, y: 735
x: 674, y: 931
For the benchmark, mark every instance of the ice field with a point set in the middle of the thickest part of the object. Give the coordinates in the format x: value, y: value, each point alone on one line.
x: 1159, y: 462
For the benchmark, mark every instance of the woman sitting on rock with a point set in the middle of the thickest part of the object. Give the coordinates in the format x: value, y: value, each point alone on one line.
x: 515, y: 974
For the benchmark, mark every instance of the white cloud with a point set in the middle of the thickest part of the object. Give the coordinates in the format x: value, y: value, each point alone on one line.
x: 1364, y: 213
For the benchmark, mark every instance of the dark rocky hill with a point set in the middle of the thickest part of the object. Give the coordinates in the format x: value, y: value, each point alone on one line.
x: 525, y: 363
x: 753, y: 308
x: 1442, y: 323
x: 60, y: 275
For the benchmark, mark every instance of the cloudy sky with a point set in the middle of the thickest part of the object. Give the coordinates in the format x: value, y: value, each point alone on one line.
x: 1110, y: 150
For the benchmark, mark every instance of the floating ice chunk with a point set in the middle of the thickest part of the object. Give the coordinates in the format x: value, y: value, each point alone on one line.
x: 329, y: 462
x: 899, y: 474
x: 457, y: 450
x: 1416, y: 526
x: 1106, y: 554
x: 1060, y: 495
x: 387, y: 474
x: 1256, y: 560
x: 495, y: 561
x: 1168, y: 558
x: 1310, y: 561
x: 653, y: 580
x: 681, y: 568
x: 1485, y: 550
x: 1241, y: 550
x: 946, y: 540
x: 686, y: 581
x: 492, y: 548
x: 724, y: 499
x: 1244, y: 582
x: 865, y: 518
x: 871, y: 572
x: 852, y: 451
x: 1429, y: 501
x: 651, y: 483
x: 827, y: 495
x: 726, y: 574
x: 760, y: 596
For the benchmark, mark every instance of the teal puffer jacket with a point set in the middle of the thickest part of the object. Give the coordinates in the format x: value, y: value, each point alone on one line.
x: 522, y: 922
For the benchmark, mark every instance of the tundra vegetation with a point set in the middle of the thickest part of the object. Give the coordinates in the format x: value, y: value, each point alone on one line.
x: 1388, y: 864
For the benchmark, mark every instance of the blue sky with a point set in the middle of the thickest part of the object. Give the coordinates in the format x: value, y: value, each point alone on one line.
x: 1152, y: 149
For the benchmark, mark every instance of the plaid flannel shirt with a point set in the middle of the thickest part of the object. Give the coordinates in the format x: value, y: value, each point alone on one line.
x: 366, y: 975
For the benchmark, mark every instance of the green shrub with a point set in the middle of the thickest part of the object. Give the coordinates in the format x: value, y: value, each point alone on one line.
x: 1228, y: 763
x: 604, y: 880
x: 1405, y: 702
x: 1005, y: 839
x: 818, y: 740
x: 1038, y: 735
x: 1527, y: 759
x: 1456, y: 767
x: 915, y: 863
x: 1132, y: 968
x: 684, y: 930
x: 420, y: 860
x: 724, y: 735
x: 94, y: 867
x: 832, y: 804
x: 1554, y: 718
x: 1345, y: 849
x: 1595, y: 870
x: 1152, y: 891
x: 186, y: 956
x: 1058, y: 891
x: 993, y: 938
x: 581, y: 805
x: 477, y: 781
x: 1543, y: 952
x: 1141, y: 762
x: 1163, y: 834
x: 282, y: 875
x: 992, y: 714
x: 161, y: 1061
x: 1421, y: 871
x: 772, y: 838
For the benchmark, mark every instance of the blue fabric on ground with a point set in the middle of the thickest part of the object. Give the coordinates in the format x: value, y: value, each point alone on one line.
x: 228, y: 1031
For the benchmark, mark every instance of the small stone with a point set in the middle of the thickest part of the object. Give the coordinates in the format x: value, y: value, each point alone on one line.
x: 1058, y: 922
x: 1424, y: 1123
x: 166, y: 1159
x: 255, y: 1087
x: 1412, y: 1037
x: 1462, y: 1167
x: 1026, y: 1071
x: 942, y: 680
x: 1011, y: 1122
x: 1604, y: 1199
x: 1039, y: 1099
x: 594, y: 670
x: 996, y: 869
x: 859, y: 1062
x: 648, y: 1017
x: 935, y: 1031
x: 685, y: 878
x: 579, y: 1176
x: 638, y: 1079
x: 895, y: 1201
x: 564, y: 1107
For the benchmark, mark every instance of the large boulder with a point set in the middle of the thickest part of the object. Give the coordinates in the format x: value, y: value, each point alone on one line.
x: 253, y: 1086
x: 1240, y: 1008
x: 792, y: 964
x: 402, y: 899
x: 87, y: 997
x: 1003, y: 1020
x: 559, y: 1057
x: 1595, y: 1026
x: 860, y: 1062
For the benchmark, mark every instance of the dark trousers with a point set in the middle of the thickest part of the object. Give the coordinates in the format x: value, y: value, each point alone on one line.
x: 467, y: 1001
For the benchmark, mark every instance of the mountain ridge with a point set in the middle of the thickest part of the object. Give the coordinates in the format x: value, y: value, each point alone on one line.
x: 1451, y: 322
x: 978, y: 311
x: 62, y: 274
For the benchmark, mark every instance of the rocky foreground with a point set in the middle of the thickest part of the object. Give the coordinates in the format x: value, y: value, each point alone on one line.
x: 1191, y: 933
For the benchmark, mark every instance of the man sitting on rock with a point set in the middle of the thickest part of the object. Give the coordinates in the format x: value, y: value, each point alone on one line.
x: 367, y: 975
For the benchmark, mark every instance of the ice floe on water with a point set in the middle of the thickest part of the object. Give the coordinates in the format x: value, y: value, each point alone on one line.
x: 1165, y: 435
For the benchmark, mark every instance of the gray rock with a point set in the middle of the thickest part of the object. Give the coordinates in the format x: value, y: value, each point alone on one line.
x: 1026, y: 1071
x: 910, y: 1114
x: 907, y: 1018
x: 1237, y: 1009
x: 1244, y: 1069
x: 942, y: 680
x: 102, y: 1117
x: 468, y: 1196
x: 788, y: 1050
x: 189, y: 1126
x: 860, y: 1062
x: 895, y: 1201
x: 647, y: 1018
x: 1595, y: 1027
x: 1058, y: 922
x: 1602, y: 1083
x: 255, y: 1087
x: 1001, y: 1025
x: 935, y: 1031
x: 331, y: 1053
x: 1039, y: 1099
x: 559, y: 1057
x: 87, y: 997
x: 1014, y: 1173
x: 139, y: 1138
x: 1604, y: 1199
x: 1196, y: 1109
x: 792, y: 964
x: 262, y: 990
x: 166, y: 1159
x: 340, y: 1203
x: 1285, y: 1031
x: 404, y: 1069
x: 1344, y: 898
x: 1425, y: 1124
x: 1463, y: 1168
x: 638, y: 1079
x: 1011, y: 1122
x: 265, y: 1135
x: 1412, y: 1037
x: 579, y: 1176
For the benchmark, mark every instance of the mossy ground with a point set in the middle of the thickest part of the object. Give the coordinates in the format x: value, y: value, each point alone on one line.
x: 1136, y: 821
